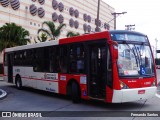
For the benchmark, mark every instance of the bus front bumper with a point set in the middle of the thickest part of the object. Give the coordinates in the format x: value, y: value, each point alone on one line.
x: 128, y: 95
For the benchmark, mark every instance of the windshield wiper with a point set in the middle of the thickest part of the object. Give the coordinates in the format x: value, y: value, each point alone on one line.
x: 132, y: 52
x: 138, y: 54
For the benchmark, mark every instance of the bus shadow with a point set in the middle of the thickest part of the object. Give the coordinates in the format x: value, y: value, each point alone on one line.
x: 43, y: 93
x: 135, y: 106
x: 98, y: 104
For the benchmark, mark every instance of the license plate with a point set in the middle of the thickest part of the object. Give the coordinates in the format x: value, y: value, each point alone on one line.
x: 141, y: 91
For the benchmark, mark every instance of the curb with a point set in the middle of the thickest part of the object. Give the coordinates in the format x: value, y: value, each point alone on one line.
x: 3, y: 95
x: 1, y: 78
x: 157, y: 95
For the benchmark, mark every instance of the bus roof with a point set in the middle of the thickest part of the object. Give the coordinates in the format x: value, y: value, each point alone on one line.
x: 127, y: 32
x: 81, y: 38
x: 41, y: 44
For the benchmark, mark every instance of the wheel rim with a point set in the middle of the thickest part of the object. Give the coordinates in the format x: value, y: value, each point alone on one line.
x: 18, y: 83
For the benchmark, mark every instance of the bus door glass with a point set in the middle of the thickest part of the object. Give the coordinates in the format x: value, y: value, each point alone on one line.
x: 10, y: 67
x: 97, y: 69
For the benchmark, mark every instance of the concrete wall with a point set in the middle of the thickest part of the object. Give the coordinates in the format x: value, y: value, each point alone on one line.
x: 22, y: 15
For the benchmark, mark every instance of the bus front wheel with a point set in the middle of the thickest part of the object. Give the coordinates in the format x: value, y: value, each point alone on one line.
x: 18, y: 82
x: 76, y: 96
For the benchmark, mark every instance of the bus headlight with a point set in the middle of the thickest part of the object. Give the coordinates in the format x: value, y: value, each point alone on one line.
x: 123, y: 85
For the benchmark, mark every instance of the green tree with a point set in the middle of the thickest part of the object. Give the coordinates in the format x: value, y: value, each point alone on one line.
x: 71, y: 34
x: 43, y: 37
x: 53, y: 31
x: 12, y: 35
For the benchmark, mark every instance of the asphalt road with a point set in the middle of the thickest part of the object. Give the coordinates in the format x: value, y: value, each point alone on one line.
x: 35, y: 100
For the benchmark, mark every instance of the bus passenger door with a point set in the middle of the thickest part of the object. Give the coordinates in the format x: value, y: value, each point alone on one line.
x: 97, y: 70
x: 10, y: 68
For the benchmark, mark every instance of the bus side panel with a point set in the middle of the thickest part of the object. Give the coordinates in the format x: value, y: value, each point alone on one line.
x: 109, y: 94
x: 25, y: 78
x: 51, y: 86
x: 81, y: 80
x: 63, y: 78
x: 46, y: 81
x: 5, y: 75
x: 116, y: 84
x: 37, y: 80
x: 84, y: 91
x: 18, y: 71
x: 83, y: 85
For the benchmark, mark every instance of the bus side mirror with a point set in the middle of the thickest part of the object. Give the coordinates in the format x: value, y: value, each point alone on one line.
x: 115, y: 48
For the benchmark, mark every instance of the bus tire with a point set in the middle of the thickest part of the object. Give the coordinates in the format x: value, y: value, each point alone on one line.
x: 18, y: 82
x: 76, y: 96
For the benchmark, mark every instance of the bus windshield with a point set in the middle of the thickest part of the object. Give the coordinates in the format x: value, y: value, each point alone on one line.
x: 135, y: 60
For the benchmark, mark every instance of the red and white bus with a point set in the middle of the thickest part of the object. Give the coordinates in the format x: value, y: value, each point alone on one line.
x: 112, y: 66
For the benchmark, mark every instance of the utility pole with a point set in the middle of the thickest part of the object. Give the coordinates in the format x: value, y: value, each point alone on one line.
x: 97, y: 24
x: 129, y: 27
x: 115, y: 16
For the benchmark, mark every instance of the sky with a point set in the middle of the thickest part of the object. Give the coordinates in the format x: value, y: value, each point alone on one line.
x: 145, y: 14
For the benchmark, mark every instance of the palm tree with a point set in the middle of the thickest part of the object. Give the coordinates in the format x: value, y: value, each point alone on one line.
x: 43, y: 37
x: 71, y: 34
x: 12, y: 35
x: 53, y: 31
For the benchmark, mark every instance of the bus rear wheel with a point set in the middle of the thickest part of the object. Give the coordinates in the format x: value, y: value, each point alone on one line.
x: 76, y: 96
x: 18, y: 82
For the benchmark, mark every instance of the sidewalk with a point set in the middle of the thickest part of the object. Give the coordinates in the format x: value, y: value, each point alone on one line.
x: 2, y: 92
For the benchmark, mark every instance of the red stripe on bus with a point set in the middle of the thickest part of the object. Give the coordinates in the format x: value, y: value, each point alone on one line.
x: 40, y: 79
x: 36, y: 79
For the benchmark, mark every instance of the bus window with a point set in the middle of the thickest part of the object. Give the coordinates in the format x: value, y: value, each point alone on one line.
x: 46, y: 61
x: 80, y: 59
x: 72, y: 56
x: 38, y: 58
x: 5, y: 60
x: 52, y: 59
x: 21, y: 60
x: 76, y: 59
x: 63, y: 59
x: 30, y: 59
x: 17, y: 61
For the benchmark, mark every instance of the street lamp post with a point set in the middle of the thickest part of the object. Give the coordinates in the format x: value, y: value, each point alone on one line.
x: 115, y: 16
x: 97, y: 24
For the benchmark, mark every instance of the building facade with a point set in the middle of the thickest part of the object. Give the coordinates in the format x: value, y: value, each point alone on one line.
x: 78, y: 15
